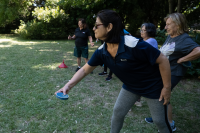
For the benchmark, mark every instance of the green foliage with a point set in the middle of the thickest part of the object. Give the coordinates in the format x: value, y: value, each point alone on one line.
x: 49, y: 24
x: 13, y: 9
x: 161, y: 36
x: 191, y: 9
x: 195, y: 36
x: 195, y: 69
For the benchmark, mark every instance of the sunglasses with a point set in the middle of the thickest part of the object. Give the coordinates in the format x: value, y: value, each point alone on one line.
x: 142, y: 31
x: 96, y: 25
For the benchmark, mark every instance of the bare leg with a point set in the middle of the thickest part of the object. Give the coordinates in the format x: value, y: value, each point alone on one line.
x: 79, y: 61
x: 86, y: 60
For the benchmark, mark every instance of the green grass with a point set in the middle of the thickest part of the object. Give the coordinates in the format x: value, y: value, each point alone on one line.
x: 29, y: 76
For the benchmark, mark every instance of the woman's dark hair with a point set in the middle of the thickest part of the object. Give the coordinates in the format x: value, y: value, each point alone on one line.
x: 109, y: 16
x: 150, y: 29
x: 83, y: 22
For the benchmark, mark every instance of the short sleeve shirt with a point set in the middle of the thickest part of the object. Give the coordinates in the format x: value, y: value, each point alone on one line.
x: 152, y: 42
x: 81, y: 37
x: 175, y: 48
x: 134, y: 64
x: 126, y: 32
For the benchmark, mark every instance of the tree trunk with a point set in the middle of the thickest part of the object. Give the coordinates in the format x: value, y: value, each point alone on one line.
x: 179, y: 6
x: 170, y: 6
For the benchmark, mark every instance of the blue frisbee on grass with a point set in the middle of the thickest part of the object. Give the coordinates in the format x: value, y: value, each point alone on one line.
x: 187, y: 64
x: 61, y: 96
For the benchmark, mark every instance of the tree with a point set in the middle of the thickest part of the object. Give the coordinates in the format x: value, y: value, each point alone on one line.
x: 171, y: 5
x: 179, y: 6
x: 13, y: 9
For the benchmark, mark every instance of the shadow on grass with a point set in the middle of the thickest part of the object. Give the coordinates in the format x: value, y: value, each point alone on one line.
x: 30, y: 76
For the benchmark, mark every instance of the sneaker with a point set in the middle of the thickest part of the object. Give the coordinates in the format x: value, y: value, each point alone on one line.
x: 108, y: 78
x: 103, y: 73
x: 77, y: 69
x: 139, y: 104
x: 173, y: 126
x: 149, y: 120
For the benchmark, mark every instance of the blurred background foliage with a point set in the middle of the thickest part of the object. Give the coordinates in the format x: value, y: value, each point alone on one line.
x: 55, y: 19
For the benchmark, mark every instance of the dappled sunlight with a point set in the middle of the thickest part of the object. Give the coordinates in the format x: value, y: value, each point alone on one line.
x: 49, y: 66
x: 31, y: 42
x: 48, y: 50
x: 69, y: 52
x: 91, y: 50
x: 1, y: 105
x: 66, y: 58
x: 4, y: 40
x: 2, y: 58
x: 75, y: 64
x: 25, y: 42
x: 5, y: 46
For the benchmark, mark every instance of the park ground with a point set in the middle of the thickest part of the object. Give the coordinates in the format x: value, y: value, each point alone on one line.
x: 29, y: 76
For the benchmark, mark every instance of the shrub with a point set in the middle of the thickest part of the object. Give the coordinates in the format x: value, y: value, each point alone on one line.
x: 195, y: 69
x: 160, y: 36
x: 48, y: 24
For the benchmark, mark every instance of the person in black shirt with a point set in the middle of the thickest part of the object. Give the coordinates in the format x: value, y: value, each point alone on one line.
x: 144, y: 71
x: 81, y: 36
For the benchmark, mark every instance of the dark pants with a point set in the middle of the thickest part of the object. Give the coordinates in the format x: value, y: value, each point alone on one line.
x: 105, y: 70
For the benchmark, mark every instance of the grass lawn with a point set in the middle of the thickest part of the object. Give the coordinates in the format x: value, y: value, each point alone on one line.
x: 29, y: 76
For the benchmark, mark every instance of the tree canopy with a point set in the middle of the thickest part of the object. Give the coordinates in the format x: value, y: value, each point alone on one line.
x: 133, y: 12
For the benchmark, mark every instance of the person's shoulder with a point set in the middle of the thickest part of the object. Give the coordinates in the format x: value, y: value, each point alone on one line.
x: 130, y: 41
x: 152, y: 40
x: 185, y: 39
x: 87, y: 29
x: 77, y: 29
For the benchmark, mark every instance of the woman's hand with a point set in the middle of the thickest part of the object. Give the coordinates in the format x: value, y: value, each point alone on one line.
x: 165, y: 93
x: 64, y: 90
x: 78, y: 76
x: 69, y: 37
x: 92, y: 44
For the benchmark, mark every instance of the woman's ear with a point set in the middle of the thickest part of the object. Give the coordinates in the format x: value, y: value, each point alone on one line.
x: 109, y: 27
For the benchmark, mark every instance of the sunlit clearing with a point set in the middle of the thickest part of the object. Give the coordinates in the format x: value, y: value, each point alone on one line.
x: 75, y: 64
x: 91, y: 50
x: 31, y: 42
x: 50, y: 66
x: 48, y: 50
x: 4, y: 40
x: 5, y: 45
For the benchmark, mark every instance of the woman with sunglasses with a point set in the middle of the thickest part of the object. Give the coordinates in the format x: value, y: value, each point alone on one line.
x: 105, y: 67
x: 144, y: 70
x: 81, y: 36
x: 148, y: 33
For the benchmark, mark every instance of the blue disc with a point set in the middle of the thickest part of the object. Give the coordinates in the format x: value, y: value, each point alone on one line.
x: 61, y: 96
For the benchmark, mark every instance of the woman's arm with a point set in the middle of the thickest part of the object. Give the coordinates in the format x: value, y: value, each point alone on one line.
x: 78, y: 76
x: 73, y: 37
x: 90, y: 39
x: 195, y: 54
x: 165, y: 72
x: 70, y: 38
